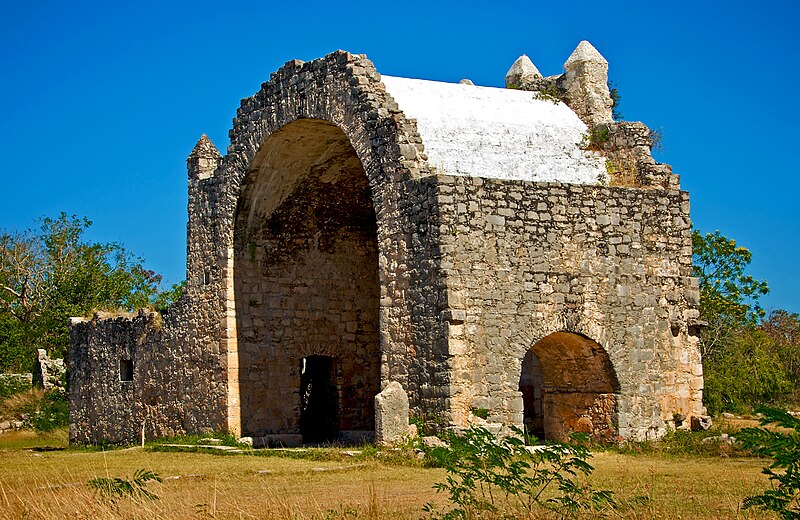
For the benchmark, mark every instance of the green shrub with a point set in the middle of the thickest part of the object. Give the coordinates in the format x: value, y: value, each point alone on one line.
x: 50, y: 413
x: 746, y: 373
x: 487, y: 474
x: 10, y: 385
x: 784, y: 448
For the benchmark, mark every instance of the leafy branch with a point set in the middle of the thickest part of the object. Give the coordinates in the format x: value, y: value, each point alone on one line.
x: 135, y: 489
x: 784, y: 472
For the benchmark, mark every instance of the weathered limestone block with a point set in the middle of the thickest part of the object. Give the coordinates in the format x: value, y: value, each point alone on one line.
x: 586, y: 85
x: 391, y: 414
x: 48, y: 373
x: 522, y: 73
x: 701, y: 422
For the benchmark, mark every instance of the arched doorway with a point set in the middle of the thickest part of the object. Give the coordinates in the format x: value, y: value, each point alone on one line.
x: 568, y: 384
x: 306, y: 288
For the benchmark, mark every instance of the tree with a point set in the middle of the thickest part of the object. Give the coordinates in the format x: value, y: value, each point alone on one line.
x: 50, y: 273
x: 728, y: 296
x: 745, y: 371
x: 784, y: 330
x: 748, y: 359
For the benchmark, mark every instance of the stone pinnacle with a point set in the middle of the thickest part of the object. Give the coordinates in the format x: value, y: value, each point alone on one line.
x: 521, y: 72
x: 584, y: 52
x: 204, y: 147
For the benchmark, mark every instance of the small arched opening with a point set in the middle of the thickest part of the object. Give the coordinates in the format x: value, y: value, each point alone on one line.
x: 568, y: 384
x: 306, y: 288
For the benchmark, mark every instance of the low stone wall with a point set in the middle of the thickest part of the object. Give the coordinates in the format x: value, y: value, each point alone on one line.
x: 138, y: 374
x: 49, y: 373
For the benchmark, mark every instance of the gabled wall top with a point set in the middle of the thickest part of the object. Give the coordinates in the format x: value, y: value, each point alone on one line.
x: 495, y: 132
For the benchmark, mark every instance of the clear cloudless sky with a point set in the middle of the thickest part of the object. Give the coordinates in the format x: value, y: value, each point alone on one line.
x: 101, y: 102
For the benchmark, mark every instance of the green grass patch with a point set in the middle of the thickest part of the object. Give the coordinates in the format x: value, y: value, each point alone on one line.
x: 718, y: 441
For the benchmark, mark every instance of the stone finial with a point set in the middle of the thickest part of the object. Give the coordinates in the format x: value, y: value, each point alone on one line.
x: 586, y: 85
x: 204, y: 159
x: 522, y: 72
x: 584, y: 52
x: 466, y: 81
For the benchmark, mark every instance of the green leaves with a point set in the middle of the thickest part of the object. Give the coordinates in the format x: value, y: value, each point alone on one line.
x: 784, y: 472
x: 52, y: 272
x: 744, y: 371
x: 115, y: 488
x: 491, y: 474
x: 728, y: 296
x: 748, y: 359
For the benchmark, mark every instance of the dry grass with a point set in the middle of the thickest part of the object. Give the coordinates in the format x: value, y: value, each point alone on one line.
x: 53, y: 484
x: 11, y: 406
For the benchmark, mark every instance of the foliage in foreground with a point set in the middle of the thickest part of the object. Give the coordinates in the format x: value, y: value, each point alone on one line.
x: 784, y: 448
x: 135, y: 489
x: 487, y: 475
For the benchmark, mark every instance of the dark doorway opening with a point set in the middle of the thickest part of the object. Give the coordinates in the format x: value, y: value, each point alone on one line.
x: 318, y: 400
x: 531, y: 385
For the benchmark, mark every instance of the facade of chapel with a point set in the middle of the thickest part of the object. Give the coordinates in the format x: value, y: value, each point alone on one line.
x: 506, y: 256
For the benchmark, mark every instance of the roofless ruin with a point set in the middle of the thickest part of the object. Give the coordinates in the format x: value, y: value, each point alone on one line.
x: 372, y: 247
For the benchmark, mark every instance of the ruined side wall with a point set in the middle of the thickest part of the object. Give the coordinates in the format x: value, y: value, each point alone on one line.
x: 179, y: 359
x: 524, y: 260
x: 174, y: 387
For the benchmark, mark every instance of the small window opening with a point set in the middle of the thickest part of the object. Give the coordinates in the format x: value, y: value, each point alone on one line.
x: 206, y: 277
x: 126, y: 370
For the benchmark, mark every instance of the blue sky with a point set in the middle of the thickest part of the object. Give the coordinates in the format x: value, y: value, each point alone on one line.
x: 100, y: 103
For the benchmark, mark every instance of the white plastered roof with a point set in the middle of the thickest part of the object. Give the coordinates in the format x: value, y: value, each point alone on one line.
x: 496, y: 132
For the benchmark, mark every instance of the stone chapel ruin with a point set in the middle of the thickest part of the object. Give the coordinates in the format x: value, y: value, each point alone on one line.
x: 487, y: 256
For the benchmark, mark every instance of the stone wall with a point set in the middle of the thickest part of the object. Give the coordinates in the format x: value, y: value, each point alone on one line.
x: 324, y: 239
x: 134, y: 374
x: 307, y: 285
x: 399, y: 330
x: 525, y: 260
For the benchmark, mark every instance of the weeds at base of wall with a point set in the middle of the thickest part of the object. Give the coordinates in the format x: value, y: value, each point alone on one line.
x: 718, y: 441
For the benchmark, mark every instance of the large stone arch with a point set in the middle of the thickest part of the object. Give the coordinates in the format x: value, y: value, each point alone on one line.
x: 306, y: 284
x: 506, y: 241
x: 341, y: 91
